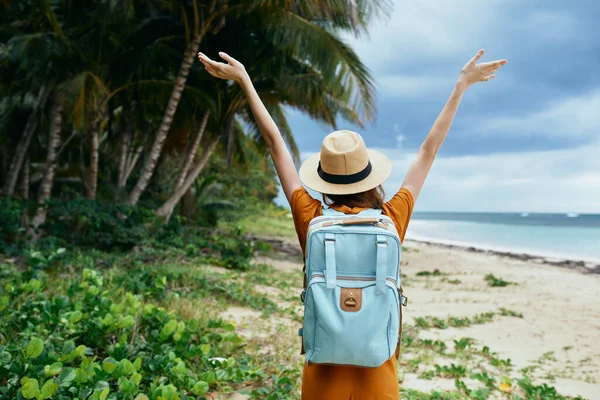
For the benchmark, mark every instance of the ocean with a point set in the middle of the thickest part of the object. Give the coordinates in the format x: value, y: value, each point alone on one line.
x: 570, y: 236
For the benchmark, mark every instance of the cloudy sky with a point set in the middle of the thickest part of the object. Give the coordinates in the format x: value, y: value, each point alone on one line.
x: 527, y: 141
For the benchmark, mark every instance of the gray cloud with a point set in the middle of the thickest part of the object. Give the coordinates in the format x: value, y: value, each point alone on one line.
x: 545, y: 103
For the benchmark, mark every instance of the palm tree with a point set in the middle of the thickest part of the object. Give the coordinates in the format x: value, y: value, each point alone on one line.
x: 50, y: 168
x: 293, y: 27
x: 202, y: 22
x: 191, y: 152
x: 34, y: 43
x: 24, y: 141
x: 53, y: 55
x: 324, y: 87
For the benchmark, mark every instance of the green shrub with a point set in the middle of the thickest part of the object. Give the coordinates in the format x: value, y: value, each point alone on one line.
x: 227, y: 248
x: 83, y: 224
x: 106, y: 226
x: 78, y: 339
x: 11, y: 232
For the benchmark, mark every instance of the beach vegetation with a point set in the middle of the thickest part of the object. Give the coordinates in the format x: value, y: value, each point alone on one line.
x: 510, y: 313
x: 86, y: 336
x: 463, y: 343
x: 452, y: 281
x: 411, y: 394
x: 428, y: 322
x: 436, y: 345
x: 281, y: 387
x: 435, y: 272
x: 540, y: 392
x: 446, y: 371
x: 496, y: 282
x: 475, y: 394
x: 485, y: 378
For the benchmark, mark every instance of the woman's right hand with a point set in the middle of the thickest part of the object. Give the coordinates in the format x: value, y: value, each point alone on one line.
x: 233, y: 70
x: 473, y: 72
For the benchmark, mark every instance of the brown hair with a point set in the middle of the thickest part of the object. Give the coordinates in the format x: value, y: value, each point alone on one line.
x: 370, y: 199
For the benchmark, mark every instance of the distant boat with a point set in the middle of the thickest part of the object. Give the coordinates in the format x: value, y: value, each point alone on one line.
x: 524, y: 214
x: 572, y: 215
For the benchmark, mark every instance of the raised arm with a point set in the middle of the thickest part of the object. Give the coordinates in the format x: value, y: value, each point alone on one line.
x: 470, y: 74
x: 284, y: 164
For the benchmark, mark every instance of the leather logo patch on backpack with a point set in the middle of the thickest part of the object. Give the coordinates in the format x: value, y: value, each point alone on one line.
x: 351, y: 299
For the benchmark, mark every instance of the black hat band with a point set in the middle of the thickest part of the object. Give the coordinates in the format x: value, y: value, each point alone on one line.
x: 344, y: 179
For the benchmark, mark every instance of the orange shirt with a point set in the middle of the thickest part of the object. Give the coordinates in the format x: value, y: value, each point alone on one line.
x: 322, y: 382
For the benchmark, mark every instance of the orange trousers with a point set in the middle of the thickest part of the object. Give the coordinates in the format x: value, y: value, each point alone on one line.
x: 323, y: 382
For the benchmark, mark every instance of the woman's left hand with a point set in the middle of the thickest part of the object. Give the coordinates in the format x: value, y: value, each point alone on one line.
x: 473, y: 72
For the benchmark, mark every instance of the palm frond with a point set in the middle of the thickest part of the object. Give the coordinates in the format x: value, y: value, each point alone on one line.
x: 48, y: 11
x: 88, y: 91
x: 329, y: 55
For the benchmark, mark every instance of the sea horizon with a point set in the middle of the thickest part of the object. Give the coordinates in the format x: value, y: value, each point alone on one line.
x: 569, y: 236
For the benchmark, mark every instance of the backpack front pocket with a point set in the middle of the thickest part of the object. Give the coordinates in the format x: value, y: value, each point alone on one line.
x: 350, y: 324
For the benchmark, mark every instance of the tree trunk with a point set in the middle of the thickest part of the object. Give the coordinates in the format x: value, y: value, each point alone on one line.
x: 167, y: 208
x: 30, y: 127
x: 82, y: 174
x: 45, y: 189
x: 132, y: 160
x: 189, y: 157
x: 188, y: 203
x: 25, y: 178
x: 125, y: 144
x: 95, y: 127
x: 165, y: 126
x: 92, y: 185
x: 230, y: 138
x: 24, y: 191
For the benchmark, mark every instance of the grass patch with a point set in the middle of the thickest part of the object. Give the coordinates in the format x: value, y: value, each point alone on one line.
x: 452, y: 281
x: 436, y: 345
x: 445, y: 371
x: 543, y: 391
x: 463, y: 343
x: 410, y: 394
x: 435, y: 272
x: 510, y: 313
x: 269, y: 220
x: 496, y: 282
x: 429, y: 322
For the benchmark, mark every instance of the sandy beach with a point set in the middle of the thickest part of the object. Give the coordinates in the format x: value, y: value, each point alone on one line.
x: 560, y: 329
x: 546, y: 320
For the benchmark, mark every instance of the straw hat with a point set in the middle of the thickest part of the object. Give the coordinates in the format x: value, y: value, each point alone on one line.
x: 345, y: 166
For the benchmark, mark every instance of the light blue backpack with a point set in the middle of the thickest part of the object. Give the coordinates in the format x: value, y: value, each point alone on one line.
x: 352, y: 292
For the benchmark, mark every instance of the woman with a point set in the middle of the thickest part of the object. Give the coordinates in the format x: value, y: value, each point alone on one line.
x: 350, y: 178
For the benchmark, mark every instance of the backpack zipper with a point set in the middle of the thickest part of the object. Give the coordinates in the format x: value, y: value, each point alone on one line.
x: 353, y: 278
x: 325, y: 218
x: 347, y: 278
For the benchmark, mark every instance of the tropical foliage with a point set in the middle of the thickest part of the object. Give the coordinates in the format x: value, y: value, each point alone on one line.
x: 105, y: 100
